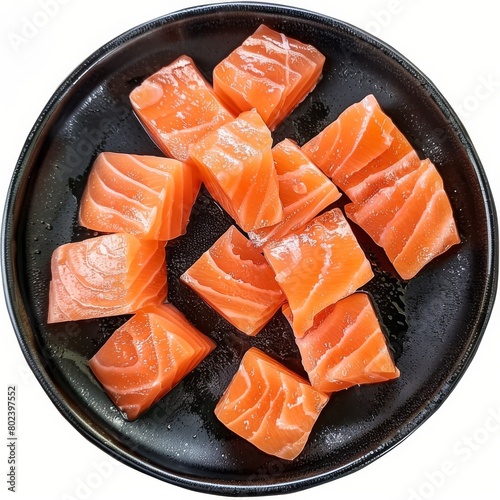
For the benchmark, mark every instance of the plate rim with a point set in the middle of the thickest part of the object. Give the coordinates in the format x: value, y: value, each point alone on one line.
x: 25, y: 332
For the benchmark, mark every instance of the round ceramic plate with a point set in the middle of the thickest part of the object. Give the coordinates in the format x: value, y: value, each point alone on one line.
x: 434, y: 322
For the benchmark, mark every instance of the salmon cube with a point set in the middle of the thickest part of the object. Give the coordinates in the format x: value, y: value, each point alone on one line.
x: 147, y: 356
x: 236, y: 166
x: 345, y: 346
x: 177, y: 106
x: 411, y: 218
x: 147, y: 196
x: 360, y: 134
x: 270, y: 72
x: 270, y: 406
x: 317, y: 265
x: 235, y: 279
x: 106, y: 276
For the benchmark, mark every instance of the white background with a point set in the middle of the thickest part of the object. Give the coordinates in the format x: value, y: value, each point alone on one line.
x: 455, y: 43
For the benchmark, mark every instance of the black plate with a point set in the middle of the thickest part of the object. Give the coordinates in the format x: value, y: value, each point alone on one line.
x: 435, y: 321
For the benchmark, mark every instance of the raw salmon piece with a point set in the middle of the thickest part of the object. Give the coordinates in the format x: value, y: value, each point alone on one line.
x: 177, y: 106
x: 303, y: 189
x: 360, y: 134
x: 106, y: 276
x: 235, y: 279
x: 412, y: 220
x: 270, y: 72
x: 147, y: 356
x: 383, y: 171
x: 270, y: 406
x: 236, y: 166
x: 147, y: 196
x: 346, y: 346
x: 317, y: 265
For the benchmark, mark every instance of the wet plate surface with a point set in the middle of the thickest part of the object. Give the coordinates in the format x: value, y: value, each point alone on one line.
x: 434, y: 322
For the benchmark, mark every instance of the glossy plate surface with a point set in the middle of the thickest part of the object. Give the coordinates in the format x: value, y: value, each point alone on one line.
x: 435, y: 321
